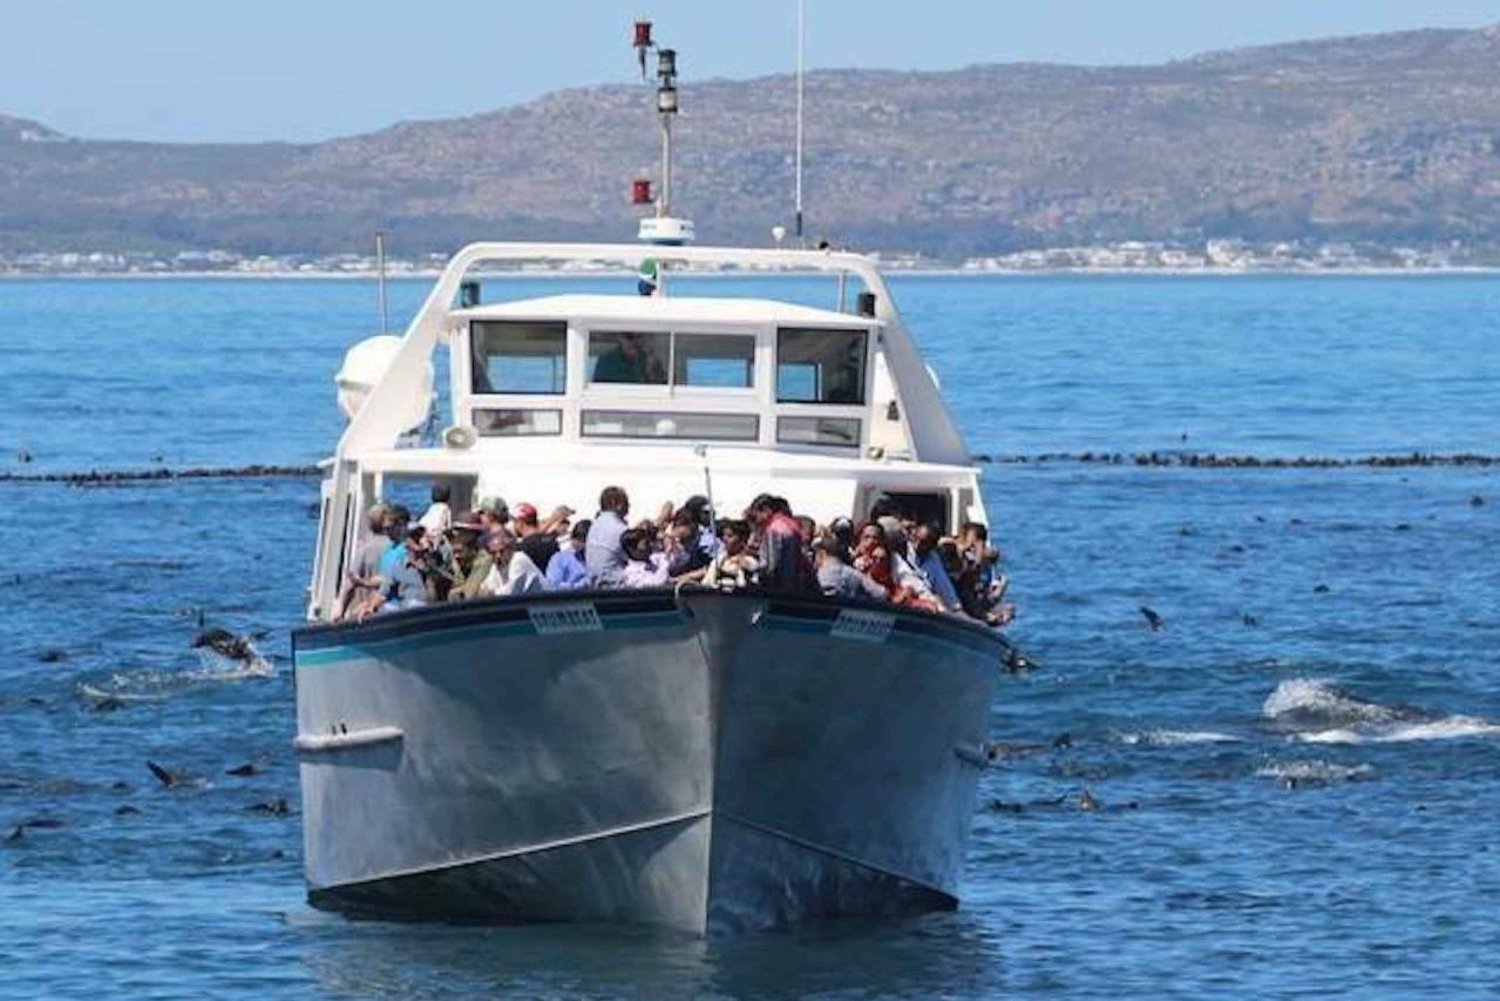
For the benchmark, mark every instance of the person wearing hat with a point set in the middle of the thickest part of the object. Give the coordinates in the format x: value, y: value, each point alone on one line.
x: 568, y: 571
x: 538, y: 539
x: 492, y: 513
x: 470, y: 560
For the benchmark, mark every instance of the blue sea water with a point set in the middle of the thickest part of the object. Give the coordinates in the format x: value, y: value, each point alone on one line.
x: 1297, y: 776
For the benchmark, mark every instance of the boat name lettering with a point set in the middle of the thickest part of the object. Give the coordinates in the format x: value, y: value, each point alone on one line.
x: 575, y: 617
x: 873, y: 627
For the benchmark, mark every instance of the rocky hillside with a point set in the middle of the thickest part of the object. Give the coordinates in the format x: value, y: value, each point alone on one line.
x: 1387, y: 138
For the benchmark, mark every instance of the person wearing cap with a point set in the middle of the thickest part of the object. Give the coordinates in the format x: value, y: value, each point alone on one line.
x: 568, y: 571
x: 538, y: 539
x: 512, y: 571
x: 837, y: 578
x: 471, y: 562
x: 492, y: 513
x: 602, y: 551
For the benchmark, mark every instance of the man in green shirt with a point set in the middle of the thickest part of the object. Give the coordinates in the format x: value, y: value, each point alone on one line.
x: 628, y: 361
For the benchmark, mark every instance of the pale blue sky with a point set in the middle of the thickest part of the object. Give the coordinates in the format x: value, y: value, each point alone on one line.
x: 260, y: 69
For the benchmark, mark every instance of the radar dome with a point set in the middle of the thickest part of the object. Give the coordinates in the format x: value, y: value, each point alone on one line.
x: 365, y: 365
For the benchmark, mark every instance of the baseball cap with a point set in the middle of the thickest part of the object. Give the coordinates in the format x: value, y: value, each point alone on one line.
x: 492, y: 505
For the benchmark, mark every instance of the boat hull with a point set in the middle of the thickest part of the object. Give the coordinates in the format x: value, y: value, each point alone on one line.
x: 705, y: 761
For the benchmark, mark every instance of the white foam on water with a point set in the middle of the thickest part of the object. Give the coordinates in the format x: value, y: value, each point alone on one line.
x: 1320, y: 713
x: 1336, y: 736
x: 1314, y: 771
x: 1312, y: 697
x: 89, y: 691
x: 1447, y: 728
x: 217, y: 667
x: 1177, y: 738
x: 213, y: 667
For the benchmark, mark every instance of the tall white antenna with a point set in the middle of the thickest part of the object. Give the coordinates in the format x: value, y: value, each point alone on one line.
x: 801, y: 34
x: 385, y: 321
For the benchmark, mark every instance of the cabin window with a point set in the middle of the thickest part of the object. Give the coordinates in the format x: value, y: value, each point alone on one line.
x: 657, y: 424
x: 510, y: 357
x: 820, y: 366
x: 726, y: 362
x: 501, y: 423
x: 840, y: 431
x: 629, y: 357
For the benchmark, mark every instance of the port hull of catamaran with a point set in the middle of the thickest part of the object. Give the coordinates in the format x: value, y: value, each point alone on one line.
x: 713, y: 762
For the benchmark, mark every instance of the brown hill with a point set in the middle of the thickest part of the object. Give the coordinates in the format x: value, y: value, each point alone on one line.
x: 1389, y: 138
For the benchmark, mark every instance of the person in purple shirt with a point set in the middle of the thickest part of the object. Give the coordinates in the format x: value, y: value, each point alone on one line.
x: 567, y: 571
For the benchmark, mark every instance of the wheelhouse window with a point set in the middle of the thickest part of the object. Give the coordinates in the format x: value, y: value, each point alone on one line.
x: 499, y: 423
x: 713, y: 360
x: 649, y: 424
x: 512, y: 357
x: 627, y: 357
x: 820, y: 366
x: 840, y: 431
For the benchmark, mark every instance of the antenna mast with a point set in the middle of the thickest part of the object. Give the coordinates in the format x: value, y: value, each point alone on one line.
x: 385, y: 323
x: 801, y: 35
x: 664, y: 228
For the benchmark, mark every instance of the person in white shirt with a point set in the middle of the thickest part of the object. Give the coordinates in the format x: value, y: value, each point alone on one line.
x: 512, y: 572
x: 438, y: 517
x: 643, y: 568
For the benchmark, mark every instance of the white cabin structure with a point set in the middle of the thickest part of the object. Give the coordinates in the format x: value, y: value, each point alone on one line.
x: 666, y: 395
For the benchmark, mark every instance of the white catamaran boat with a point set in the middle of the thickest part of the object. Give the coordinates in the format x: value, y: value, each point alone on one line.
x: 706, y: 760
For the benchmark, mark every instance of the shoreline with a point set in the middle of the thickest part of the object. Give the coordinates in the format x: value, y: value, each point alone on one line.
x: 889, y: 272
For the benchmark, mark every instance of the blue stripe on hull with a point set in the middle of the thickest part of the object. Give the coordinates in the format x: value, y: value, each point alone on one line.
x: 428, y: 639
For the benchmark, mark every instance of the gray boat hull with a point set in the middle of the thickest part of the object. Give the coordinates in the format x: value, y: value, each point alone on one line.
x: 709, y: 762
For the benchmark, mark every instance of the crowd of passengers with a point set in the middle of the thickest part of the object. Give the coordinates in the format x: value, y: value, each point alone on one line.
x: 494, y: 550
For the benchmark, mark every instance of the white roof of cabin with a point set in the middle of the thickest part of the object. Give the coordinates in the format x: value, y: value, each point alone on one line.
x: 670, y: 309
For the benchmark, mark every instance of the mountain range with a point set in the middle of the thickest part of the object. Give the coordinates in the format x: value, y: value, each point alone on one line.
x: 1391, y: 139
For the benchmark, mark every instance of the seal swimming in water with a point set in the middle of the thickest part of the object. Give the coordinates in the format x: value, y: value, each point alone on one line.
x: 1155, y: 621
x: 168, y: 779
x: 224, y: 643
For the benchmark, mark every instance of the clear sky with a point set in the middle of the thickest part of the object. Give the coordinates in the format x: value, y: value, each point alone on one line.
x: 200, y: 70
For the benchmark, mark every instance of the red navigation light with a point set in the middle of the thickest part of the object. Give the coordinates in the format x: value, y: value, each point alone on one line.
x: 642, y: 34
x: 640, y: 191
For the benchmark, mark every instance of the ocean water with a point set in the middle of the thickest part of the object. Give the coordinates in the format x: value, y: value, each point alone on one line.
x: 1297, y: 778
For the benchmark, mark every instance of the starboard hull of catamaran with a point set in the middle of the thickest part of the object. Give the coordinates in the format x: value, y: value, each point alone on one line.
x: 705, y: 761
